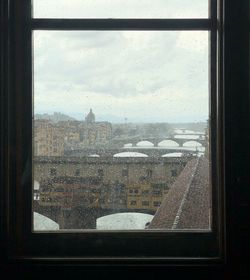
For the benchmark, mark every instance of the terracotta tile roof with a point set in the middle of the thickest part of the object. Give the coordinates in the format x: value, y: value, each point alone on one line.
x: 187, y: 204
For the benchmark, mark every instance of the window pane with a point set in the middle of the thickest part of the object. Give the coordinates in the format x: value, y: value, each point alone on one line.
x: 120, y: 8
x: 121, y: 130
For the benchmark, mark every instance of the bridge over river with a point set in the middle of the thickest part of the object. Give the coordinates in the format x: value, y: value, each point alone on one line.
x: 149, y: 151
x: 80, y: 217
x: 179, y: 140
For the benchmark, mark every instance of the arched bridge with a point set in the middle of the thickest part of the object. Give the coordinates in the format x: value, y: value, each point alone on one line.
x: 80, y: 217
x: 159, y: 141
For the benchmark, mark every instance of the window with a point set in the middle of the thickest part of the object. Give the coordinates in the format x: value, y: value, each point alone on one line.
x: 22, y: 123
x: 138, y: 80
x: 173, y: 173
x: 149, y: 173
x: 112, y: 9
x: 77, y: 172
x: 156, y: 203
x: 53, y: 171
x: 145, y: 203
x: 133, y: 202
x: 145, y: 192
x: 124, y: 172
x: 156, y: 192
x: 100, y: 172
x: 134, y: 191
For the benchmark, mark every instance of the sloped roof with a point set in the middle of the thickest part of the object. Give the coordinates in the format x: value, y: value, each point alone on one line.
x: 187, y: 204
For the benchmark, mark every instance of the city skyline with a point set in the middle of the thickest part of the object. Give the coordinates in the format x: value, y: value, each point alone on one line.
x: 104, y: 118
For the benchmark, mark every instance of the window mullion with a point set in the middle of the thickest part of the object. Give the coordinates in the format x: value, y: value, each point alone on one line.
x: 121, y: 24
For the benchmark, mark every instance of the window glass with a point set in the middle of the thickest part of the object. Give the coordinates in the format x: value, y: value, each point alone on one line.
x: 120, y: 8
x: 121, y: 126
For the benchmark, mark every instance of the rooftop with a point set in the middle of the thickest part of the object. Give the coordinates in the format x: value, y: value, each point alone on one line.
x: 187, y: 204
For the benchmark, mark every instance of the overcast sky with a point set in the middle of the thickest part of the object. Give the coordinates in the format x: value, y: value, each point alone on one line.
x: 120, y: 8
x: 150, y: 76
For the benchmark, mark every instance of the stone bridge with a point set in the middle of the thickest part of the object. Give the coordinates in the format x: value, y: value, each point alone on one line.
x: 80, y: 217
x: 155, y: 152
x: 156, y: 140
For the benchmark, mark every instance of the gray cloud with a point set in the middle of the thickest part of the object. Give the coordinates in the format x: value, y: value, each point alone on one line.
x: 123, y: 72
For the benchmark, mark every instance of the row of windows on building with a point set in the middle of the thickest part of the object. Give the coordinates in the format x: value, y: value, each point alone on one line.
x: 124, y: 172
x: 144, y: 192
x: 89, y: 199
x: 145, y: 203
x: 102, y: 201
x: 132, y: 192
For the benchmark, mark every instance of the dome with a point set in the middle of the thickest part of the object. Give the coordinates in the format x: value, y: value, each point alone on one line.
x: 130, y: 154
x: 168, y: 143
x: 145, y: 144
x: 90, y: 118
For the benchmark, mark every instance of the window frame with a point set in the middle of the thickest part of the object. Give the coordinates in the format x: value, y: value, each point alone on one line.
x: 17, y: 158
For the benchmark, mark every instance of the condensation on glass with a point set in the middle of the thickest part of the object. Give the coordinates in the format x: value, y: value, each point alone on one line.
x: 121, y: 130
x: 120, y: 9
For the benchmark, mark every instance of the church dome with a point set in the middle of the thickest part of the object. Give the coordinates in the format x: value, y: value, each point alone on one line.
x: 90, y: 118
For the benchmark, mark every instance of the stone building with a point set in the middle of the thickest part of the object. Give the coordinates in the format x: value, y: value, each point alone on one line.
x: 53, y: 139
x: 107, y: 183
x: 94, y: 133
x: 48, y: 139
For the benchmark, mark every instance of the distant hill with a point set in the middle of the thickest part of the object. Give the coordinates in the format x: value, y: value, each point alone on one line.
x: 56, y: 117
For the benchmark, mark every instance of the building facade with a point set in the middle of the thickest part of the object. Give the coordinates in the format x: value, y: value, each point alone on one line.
x: 54, y: 138
x: 114, y: 183
x: 94, y: 133
x: 48, y: 139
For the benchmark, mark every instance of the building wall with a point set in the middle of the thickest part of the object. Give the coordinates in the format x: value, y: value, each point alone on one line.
x: 51, y: 139
x: 97, y: 133
x: 105, y: 183
x: 48, y: 139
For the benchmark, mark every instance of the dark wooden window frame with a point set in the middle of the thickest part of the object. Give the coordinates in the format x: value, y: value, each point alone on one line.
x: 229, y: 92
